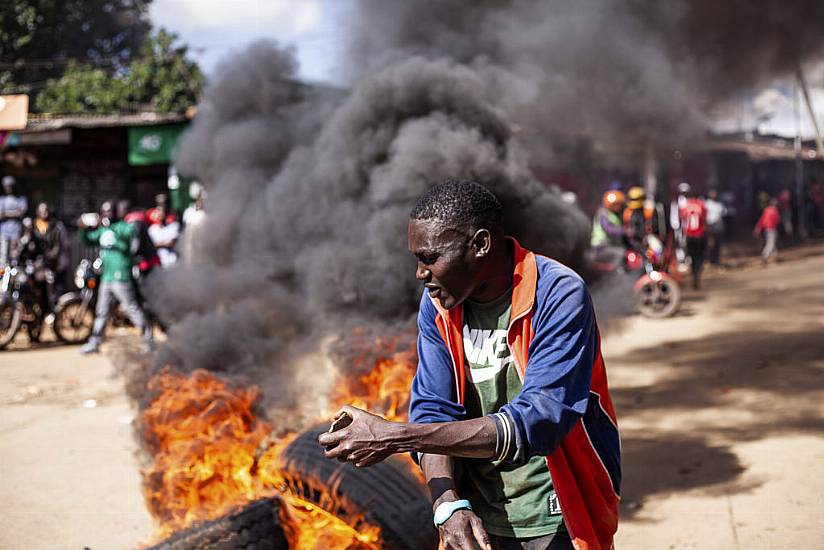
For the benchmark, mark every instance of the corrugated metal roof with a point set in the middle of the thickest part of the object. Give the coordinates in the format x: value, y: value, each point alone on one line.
x: 46, y: 123
x: 762, y: 148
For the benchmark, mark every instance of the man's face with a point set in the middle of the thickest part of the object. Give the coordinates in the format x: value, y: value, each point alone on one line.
x: 43, y: 211
x: 447, y: 265
x: 8, y: 189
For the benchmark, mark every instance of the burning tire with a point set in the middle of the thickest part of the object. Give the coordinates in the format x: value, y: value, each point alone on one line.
x: 255, y: 527
x: 387, y: 494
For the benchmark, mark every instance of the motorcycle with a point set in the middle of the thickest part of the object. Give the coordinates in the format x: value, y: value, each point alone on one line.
x: 657, y: 291
x: 74, y: 312
x: 23, y: 300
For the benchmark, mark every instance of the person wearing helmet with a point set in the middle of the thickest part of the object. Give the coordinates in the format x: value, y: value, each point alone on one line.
x: 634, y: 220
x: 607, y: 229
x: 115, y: 238
x: 12, y: 210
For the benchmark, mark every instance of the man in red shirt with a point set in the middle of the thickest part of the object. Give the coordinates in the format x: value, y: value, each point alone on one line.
x: 693, y: 215
x: 768, y: 223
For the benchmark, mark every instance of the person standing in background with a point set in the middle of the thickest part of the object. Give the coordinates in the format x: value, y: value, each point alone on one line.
x: 768, y: 224
x: 785, y: 206
x: 715, y: 226
x: 693, y: 216
x: 675, y: 218
x: 115, y: 238
x: 12, y: 210
x: 52, y: 235
x: 164, y: 234
x: 607, y: 240
x: 193, y: 218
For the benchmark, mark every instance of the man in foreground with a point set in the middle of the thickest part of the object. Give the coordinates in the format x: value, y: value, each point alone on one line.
x: 510, y: 380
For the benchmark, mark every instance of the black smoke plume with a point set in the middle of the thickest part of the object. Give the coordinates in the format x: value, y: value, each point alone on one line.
x: 309, y: 193
x: 615, y: 71
x: 309, y: 188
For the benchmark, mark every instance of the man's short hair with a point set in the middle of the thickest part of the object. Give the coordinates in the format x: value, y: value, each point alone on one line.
x: 460, y: 204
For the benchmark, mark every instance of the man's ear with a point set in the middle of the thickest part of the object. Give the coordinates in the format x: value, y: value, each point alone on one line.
x: 481, y: 243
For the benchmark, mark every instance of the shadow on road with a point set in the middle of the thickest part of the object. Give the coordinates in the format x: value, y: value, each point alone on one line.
x: 753, y: 382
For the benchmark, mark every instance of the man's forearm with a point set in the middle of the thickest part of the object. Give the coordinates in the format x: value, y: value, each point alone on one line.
x: 476, y: 438
x: 439, y: 472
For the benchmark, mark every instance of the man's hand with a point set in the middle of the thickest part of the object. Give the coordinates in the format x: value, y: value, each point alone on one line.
x: 363, y: 442
x: 462, y: 531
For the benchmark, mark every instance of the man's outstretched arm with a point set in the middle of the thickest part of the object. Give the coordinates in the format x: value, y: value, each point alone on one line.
x: 370, y: 439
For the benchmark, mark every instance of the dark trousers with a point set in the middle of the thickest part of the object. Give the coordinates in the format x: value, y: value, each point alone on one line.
x: 557, y: 541
x: 715, y: 234
x: 696, y: 248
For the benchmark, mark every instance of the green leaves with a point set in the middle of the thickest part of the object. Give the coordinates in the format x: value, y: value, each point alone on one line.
x: 160, y: 79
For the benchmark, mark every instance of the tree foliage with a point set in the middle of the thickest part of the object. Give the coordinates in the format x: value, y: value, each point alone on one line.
x: 160, y: 78
x: 39, y: 39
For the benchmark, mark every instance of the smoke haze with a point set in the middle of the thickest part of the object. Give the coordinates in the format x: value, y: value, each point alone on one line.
x: 628, y: 70
x: 309, y: 189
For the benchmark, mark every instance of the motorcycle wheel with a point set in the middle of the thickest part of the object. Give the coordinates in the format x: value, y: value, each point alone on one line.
x: 73, y: 320
x: 659, y: 299
x: 10, y: 321
x: 35, y: 331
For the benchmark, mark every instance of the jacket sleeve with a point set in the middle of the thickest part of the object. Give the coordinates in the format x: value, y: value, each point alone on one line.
x: 90, y: 237
x: 433, y: 397
x: 759, y: 225
x: 612, y: 230
x: 557, y: 382
x: 125, y: 235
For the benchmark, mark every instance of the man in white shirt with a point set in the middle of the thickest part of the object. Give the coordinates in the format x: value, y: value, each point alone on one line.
x: 164, y: 235
x: 715, y: 226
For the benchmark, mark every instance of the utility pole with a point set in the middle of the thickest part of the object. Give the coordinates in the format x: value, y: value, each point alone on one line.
x: 801, y: 224
x: 819, y: 141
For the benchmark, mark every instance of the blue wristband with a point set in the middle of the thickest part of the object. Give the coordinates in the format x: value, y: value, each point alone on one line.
x: 445, y: 510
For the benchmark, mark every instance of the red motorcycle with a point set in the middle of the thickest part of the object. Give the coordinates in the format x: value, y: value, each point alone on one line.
x: 657, y: 290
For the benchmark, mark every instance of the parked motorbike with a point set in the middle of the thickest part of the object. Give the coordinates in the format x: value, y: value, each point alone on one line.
x: 74, y: 312
x: 23, y: 300
x: 657, y: 291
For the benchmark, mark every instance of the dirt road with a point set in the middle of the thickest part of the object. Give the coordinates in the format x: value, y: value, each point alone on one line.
x: 720, y: 412
x: 68, y: 474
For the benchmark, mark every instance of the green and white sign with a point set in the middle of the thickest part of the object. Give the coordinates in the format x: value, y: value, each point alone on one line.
x: 153, y: 144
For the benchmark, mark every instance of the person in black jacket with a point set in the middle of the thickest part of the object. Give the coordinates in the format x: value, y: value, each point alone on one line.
x: 51, y: 234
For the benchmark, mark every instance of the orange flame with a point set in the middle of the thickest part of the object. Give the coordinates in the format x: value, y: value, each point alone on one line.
x: 213, y: 454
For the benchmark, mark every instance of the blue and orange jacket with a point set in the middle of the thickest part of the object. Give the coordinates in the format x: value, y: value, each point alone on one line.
x: 564, y: 410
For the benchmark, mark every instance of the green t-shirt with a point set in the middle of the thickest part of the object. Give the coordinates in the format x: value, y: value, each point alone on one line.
x: 512, y: 501
x: 115, y: 250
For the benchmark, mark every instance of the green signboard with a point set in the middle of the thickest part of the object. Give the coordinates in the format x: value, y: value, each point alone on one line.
x: 153, y: 144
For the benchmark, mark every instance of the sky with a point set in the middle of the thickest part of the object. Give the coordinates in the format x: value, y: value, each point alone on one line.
x: 317, y: 30
x: 215, y: 28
